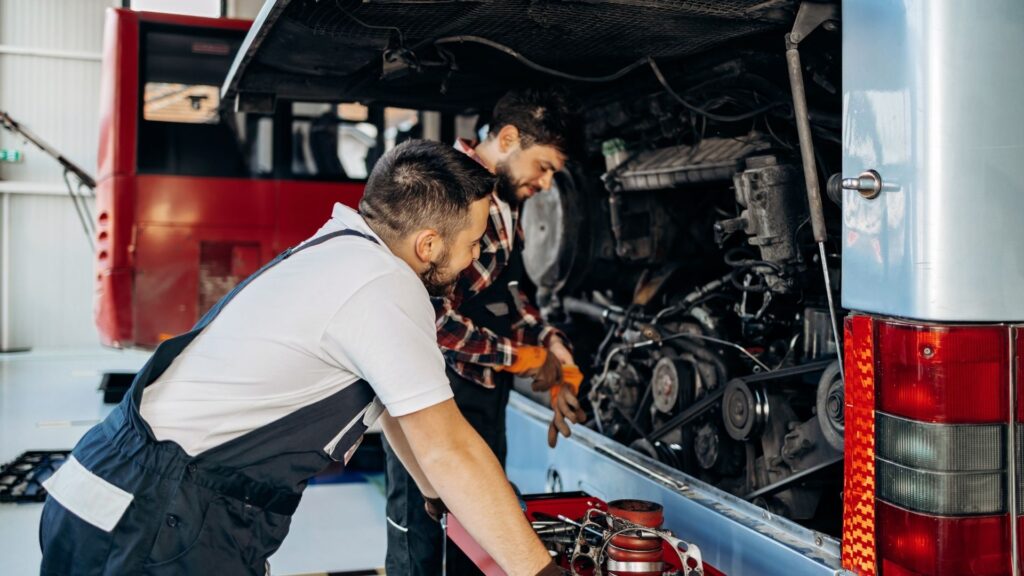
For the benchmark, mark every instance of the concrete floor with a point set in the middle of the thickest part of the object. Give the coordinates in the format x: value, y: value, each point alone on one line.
x: 49, y: 399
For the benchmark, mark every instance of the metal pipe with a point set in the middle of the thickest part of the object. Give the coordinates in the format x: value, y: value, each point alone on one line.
x: 803, y: 128
x: 82, y: 210
x: 9, y: 50
x: 595, y: 311
x: 32, y: 188
x: 20, y: 131
x: 814, y: 204
x: 832, y: 310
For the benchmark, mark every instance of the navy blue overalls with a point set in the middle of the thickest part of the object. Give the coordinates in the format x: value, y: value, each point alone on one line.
x: 221, y: 512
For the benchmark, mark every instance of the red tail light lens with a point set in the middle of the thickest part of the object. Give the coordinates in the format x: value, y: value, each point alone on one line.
x: 946, y: 374
x: 919, y: 544
x: 1020, y: 540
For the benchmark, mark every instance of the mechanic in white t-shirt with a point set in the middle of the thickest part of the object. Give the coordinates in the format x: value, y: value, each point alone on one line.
x: 200, y: 467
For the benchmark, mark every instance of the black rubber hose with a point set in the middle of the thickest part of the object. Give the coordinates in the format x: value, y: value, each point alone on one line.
x: 595, y: 311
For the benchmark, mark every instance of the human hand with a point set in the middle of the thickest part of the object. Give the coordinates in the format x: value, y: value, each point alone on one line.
x: 561, y: 351
x: 548, y: 375
x: 435, y: 508
x: 566, y: 406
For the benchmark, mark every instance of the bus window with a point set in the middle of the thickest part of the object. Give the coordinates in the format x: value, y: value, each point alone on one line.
x: 401, y: 124
x: 353, y: 112
x: 166, y: 102
x: 256, y: 133
x: 180, y: 129
x: 331, y: 142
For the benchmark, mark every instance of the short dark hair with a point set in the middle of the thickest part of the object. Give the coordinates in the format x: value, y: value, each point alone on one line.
x: 545, y: 116
x: 422, y: 184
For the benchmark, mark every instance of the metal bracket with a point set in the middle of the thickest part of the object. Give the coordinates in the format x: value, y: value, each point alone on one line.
x: 810, y: 16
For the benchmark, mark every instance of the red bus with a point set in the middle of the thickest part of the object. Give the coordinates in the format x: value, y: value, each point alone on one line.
x: 191, y: 197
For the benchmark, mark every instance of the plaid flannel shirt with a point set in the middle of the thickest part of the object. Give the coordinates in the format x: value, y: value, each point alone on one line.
x: 473, y: 351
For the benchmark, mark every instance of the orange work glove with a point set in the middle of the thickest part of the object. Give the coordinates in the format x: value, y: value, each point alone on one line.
x: 537, y: 363
x: 566, y: 405
x: 526, y: 358
x: 572, y: 377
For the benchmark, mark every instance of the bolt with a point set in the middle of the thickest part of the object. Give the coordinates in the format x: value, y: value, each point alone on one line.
x: 831, y: 26
x: 928, y: 352
x: 818, y: 541
x: 835, y: 408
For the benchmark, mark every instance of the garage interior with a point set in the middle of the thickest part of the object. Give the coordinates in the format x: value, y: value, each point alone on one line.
x: 795, y: 338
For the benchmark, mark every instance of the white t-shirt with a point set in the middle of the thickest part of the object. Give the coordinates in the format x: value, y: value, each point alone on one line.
x: 307, y: 328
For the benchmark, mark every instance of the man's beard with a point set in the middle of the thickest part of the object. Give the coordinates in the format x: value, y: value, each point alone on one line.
x: 433, y: 280
x: 505, y: 185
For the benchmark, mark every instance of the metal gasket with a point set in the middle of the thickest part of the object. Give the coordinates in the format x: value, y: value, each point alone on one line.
x: 612, y: 526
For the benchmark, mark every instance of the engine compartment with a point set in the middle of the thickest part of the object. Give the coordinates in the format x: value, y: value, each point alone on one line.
x: 680, y: 260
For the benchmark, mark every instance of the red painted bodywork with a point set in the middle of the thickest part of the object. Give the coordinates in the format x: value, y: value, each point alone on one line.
x: 151, y: 227
x: 573, y: 506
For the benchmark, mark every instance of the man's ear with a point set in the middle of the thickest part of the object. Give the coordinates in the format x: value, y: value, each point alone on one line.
x: 428, y: 245
x: 508, y: 138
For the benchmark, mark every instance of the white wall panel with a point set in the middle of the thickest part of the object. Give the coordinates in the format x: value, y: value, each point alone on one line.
x: 57, y: 98
x: 49, y: 81
x: 51, y: 281
x: 75, y: 25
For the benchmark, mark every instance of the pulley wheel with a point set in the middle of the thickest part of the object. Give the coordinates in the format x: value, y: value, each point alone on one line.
x: 831, y: 406
x: 706, y: 446
x: 670, y: 376
x: 740, y: 410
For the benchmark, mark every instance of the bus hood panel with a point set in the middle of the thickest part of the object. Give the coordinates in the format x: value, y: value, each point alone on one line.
x: 343, y: 50
x: 931, y: 106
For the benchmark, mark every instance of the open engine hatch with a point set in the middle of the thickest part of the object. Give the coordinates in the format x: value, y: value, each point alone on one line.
x: 454, y: 54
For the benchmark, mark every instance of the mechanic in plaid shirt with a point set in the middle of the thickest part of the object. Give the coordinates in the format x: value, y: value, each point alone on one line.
x: 487, y: 331
x: 475, y: 352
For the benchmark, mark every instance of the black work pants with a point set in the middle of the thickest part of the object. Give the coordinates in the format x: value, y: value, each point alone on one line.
x: 414, y: 540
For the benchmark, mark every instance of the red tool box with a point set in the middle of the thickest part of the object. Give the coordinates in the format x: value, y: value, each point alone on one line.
x: 574, y: 507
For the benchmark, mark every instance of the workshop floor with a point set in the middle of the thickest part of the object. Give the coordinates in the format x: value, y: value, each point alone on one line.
x: 49, y: 399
